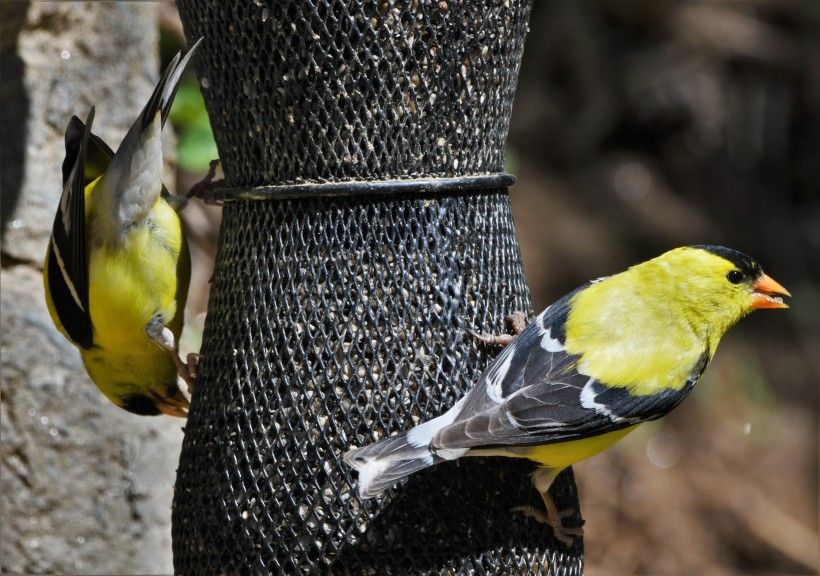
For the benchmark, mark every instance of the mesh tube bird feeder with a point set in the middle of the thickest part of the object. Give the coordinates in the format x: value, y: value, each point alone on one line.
x: 366, y: 226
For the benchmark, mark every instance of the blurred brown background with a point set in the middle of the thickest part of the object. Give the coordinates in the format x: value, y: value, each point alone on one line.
x: 638, y: 126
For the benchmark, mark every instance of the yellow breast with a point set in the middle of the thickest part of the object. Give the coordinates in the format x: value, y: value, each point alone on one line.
x: 627, y: 339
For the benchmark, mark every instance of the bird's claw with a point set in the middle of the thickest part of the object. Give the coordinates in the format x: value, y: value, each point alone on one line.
x: 185, y: 371
x: 516, y: 321
x: 193, y: 363
x: 492, y: 339
x: 204, y: 189
x: 562, y: 533
x: 165, y: 338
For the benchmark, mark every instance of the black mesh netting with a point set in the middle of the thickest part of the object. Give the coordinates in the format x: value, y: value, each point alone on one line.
x: 337, y: 321
x: 328, y: 90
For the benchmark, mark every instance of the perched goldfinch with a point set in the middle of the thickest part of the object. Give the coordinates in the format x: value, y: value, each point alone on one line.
x: 117, y: 267
x: 588, y: 370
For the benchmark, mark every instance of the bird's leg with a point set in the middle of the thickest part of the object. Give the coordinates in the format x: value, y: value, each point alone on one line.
x: 183, y: 369
x: 516, y: 321
x: 193, y: 363
x: 542, y: 480
x: 204, y: 189
x: 165, y: 338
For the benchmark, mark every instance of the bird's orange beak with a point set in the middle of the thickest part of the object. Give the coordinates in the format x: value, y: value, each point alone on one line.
x: 768, y: 293
x: 175, y: 404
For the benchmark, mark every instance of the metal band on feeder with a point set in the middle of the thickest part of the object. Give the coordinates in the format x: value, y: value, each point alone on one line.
x: 367, y: 187
x: 368, y: 229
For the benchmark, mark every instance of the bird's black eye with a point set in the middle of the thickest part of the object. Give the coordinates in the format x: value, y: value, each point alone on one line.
x: 735, y: 276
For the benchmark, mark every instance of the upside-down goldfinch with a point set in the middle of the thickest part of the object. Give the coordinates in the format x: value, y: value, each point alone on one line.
x: 117, y: 267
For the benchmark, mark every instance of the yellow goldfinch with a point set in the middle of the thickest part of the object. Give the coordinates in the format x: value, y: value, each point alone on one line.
x: 117, y: 266
x: 588, y: 370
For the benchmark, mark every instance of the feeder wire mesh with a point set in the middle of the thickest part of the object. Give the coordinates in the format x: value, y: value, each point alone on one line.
x: 336, y: 321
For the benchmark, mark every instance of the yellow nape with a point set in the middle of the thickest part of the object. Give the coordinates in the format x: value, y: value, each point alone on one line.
x: 562, y: 454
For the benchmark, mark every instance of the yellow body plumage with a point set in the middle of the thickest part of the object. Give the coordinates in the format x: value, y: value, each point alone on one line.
x: 141, y: 277
x: 117, y: 266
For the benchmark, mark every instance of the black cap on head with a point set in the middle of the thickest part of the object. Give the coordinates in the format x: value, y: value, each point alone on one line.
x: 141, y: 405
x: 746, y: 264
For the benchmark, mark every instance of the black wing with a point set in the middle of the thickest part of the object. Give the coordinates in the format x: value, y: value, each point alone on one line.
x: 533, y: 394
x: 67, y: 258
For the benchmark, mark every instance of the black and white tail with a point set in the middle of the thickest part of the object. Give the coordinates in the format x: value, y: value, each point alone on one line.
x: 384, y: 463
x: 166, y: 89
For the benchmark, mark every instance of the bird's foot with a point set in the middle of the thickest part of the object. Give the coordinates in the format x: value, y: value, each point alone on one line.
x: 193, y: 363
x: 516, y: 321
x: 186, y: 371
x: 542, y: 479
x: 204, y: 189
x: 562, y: 533
x: 165, y: 338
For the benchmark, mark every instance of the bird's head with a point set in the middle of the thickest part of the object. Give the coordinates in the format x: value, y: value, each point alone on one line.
x: 141, y: 405
x: 647, y: 328
x: 720, y: 284
x: 172, y: 403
